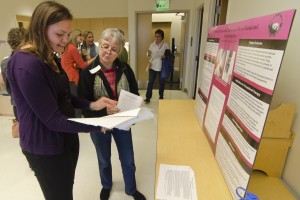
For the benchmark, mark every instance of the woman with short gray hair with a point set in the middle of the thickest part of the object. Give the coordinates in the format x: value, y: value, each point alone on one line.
x: 110, y: 78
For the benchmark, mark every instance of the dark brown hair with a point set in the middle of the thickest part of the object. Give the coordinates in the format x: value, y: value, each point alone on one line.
x: 44, y: 15
x: 160, y: 32
x: 15, y: 37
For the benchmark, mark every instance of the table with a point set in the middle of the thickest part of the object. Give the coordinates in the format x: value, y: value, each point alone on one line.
x: 181, y: 141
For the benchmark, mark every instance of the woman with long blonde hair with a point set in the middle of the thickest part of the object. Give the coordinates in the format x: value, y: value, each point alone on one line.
x: 41, y: 91
x: 71, y: 59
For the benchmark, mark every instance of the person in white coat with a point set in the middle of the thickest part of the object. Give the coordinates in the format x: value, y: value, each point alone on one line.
x: 155, y: 54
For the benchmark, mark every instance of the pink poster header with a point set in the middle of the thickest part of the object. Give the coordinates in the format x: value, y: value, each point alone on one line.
x: 274, y: 26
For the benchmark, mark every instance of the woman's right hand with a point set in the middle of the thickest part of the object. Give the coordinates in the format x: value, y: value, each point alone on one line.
x: 112, y: 110
x: 88, y: 56
x: 103, y: 129
x: 149, y: 53
x: 84, y: 51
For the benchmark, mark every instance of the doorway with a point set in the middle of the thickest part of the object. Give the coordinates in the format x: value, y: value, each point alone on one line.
x: 172, y: 83
x: 173, y: 24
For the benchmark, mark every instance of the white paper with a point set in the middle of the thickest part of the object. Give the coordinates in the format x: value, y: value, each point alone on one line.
x: 144, y: 114
x: 130, y: 114
x: 128, y: 101
x: 176, y: 183
x: 109, y: 121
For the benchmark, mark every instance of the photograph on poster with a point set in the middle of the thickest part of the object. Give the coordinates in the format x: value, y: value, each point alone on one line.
x: 220, y: 63
x: 228, y: 67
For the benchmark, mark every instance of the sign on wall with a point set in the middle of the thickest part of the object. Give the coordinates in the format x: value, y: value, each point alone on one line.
x: 162, y: 4
x: 241, y: 65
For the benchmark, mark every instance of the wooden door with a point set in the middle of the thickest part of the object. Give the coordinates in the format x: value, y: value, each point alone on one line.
x: 23, y: 21
x: 144, y: 38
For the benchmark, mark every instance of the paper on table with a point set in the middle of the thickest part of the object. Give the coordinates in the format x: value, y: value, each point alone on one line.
x: 128, y: 101
x: 176, y: 183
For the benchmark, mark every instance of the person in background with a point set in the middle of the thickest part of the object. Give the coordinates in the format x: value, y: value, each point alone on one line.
x: 155, y: 54
x: 89, y: 48
x: 123, y: 55
x: 14, y: 38
x: 71, y: 59
x: 41, y: 91
x: 108, y: 82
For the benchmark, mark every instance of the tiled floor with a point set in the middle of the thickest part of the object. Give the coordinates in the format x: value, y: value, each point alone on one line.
x: 17, y: 181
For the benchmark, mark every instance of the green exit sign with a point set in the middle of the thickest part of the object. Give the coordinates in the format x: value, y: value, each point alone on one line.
x: 162, y: 4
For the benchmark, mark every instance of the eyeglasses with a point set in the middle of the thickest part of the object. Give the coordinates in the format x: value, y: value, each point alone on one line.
x: 106, y: 48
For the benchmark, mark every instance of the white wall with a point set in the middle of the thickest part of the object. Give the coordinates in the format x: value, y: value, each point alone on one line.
x: 287, y: 87
x: 8, y: 19
x: 79, y: 9
x: 94, y: 9
x: 208, y: 6
x: 97, y: 8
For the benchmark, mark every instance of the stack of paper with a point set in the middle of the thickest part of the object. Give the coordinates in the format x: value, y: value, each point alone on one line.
x: 176, y: 183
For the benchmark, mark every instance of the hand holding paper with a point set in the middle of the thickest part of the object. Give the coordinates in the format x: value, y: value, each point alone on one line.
x: 102, y: 103
x: 112, y: 110
x: 131, y: 113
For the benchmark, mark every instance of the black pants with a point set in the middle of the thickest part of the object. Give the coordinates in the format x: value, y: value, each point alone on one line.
x: 55, y: 173
x: 15, y: 112
x: 152, y: 77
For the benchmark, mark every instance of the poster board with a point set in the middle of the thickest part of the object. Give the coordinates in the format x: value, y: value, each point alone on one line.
x: 240, y: 68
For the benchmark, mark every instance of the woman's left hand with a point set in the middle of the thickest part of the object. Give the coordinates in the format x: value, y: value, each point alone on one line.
x: 75, y: 66
x: 102, y: 103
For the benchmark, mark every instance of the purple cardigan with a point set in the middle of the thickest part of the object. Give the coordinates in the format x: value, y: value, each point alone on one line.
x: 41, y: 123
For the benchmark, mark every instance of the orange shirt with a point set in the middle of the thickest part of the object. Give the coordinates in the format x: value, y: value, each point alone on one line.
x: 71, y: 60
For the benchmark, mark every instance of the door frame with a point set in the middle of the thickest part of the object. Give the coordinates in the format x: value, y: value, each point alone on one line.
x: 141, y: 66
x: 197, y: 49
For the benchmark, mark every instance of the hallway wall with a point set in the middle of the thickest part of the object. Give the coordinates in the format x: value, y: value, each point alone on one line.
x: 79, y: 9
